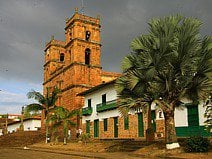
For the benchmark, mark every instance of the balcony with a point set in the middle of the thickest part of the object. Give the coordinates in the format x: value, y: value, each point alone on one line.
x: 87, y: 111
x: 106, y: 106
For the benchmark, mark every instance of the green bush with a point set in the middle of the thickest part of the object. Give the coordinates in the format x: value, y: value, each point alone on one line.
x: 85, y: 138
x: 197, y: 144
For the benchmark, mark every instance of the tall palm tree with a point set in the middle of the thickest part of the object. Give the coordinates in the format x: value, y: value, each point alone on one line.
x: 62, y: 117
x: 45, y: 103
x: 134, y: 93
x: 176, y: 63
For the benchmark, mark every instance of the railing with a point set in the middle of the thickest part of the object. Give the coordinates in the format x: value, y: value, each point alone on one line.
x: 87, y: 111
x: 106, y: 106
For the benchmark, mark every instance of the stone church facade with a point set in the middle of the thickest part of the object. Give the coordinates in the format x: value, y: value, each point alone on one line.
x: 74, y: 65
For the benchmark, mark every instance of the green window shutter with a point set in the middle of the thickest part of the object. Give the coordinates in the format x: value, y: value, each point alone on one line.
x: 88, y: 126
x: 126, y: 123
x: 96, y: 128
x: 140, y: 125
x: 153, y: 120
x: 115, y: 119
x: 105, y: 124
x: 193, y: 115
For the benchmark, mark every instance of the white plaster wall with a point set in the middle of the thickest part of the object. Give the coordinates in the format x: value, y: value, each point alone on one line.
x: 201, y: 110
x: 96, y: 98
x: 14, y: 127
x: 180, y: 117
x: 31, y: 124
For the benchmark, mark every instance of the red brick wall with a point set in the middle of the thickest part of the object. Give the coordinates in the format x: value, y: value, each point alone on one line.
x: 132, y: 132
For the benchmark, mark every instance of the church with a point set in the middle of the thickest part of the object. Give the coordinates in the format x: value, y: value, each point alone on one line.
x: 74, y: 65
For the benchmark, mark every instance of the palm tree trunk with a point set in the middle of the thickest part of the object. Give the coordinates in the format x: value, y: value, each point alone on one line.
x: 47, y: 128
x: 170, y: 132
x: 65, y: 141
x: 47, y: 135
x: 150, y: 135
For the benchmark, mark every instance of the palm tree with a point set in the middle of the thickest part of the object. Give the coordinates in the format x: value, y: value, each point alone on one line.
x: 134, y: 93
x: 45, y: 103
x: 175, y: 63
x: 62, y: 117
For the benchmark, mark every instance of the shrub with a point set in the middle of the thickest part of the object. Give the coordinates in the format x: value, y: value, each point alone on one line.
x: 197, y: 144
x: 85, y: 138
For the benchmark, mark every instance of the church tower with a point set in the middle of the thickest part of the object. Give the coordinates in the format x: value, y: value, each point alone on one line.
x: 74, y: 65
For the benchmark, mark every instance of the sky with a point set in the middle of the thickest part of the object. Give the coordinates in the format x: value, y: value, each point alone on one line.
x: 26, y: 25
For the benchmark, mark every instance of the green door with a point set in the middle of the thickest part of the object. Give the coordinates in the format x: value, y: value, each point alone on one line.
x: 115, y: 126
x: 88, y: 126
x: 140, y: 125
x: 96, y: 128
x: 193, y: 120
x: 153, y: 120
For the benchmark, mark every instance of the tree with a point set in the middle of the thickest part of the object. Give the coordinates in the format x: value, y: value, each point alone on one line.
x: 176, y: 63
x: 208, y: 114
x: 45, y: 103
x: 134, y: 93
x: 62, y: 117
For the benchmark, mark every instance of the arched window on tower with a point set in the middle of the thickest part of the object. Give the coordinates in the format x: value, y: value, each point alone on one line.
x: 87, y: 56
x: 87, y: 35
x: 62, y: 57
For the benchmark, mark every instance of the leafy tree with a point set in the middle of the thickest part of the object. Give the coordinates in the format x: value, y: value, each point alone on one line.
x: 175, y: 62
x: 62, y: 117
x: 45, y: 103
x: 28, y: 114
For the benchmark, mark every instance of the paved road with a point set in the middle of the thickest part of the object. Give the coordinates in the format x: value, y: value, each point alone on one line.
x: 29, y: 154
x: 19, y: 153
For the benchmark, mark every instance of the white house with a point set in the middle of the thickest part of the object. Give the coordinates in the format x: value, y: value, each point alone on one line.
x: 30, y: 124
x: 102, y: 119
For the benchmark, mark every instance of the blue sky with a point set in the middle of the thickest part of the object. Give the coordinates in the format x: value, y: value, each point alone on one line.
x: 26, y: 25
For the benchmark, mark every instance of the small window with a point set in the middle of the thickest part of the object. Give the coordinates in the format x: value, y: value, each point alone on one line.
x: 62, y: 57
x: 160, y: 114
x: 87, y: 56
x: 89, y: 103
x: 105, y: 124
x: 104, y: 99
x: 87, y: 35
x: 126, y: 123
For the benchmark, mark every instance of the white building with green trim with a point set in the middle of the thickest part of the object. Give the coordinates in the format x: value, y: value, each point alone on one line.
x: 101, y: 118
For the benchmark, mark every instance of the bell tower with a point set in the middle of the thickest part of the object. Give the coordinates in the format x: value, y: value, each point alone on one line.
x: 74, y: 65
x: 83, y: 39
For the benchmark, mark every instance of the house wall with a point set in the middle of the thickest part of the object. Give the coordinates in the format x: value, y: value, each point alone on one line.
x: 181, y: 118
x: 29, y: 125
x: 96, y: 98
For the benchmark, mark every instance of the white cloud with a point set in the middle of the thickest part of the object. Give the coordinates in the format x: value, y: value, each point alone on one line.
x: 12, y: 102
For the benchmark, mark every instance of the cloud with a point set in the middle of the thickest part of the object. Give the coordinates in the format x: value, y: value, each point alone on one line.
x: 12, y: 102
x: 26, y: 25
